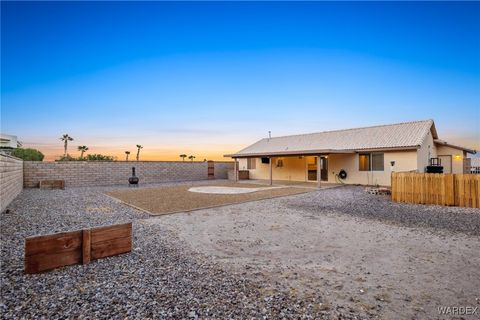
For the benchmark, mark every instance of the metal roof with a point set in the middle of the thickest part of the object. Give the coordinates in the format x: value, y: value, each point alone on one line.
x: 407, y: 135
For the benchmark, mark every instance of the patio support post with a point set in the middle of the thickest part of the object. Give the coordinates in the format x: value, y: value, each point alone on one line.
x: 271, y: 168
x: 235, y: 169
x: 319, y: 172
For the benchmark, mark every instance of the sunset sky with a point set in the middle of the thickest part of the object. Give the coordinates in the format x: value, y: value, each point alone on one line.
x: 211, y: 78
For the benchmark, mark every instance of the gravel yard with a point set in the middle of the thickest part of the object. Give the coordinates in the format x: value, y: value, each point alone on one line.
x: 333, y: 253
x: 354, y: 202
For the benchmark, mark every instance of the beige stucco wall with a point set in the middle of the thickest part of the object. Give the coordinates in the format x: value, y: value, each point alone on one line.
x: 457, y: 157
x: 426, y: 151
x: 295, y: 168
x: 431, y: 150
x: 404, y: 161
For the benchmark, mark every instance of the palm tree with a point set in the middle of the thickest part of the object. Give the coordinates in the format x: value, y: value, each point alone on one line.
x: 127, y: 153
x: 183, y: 156
x: 138, y: 151
x: 65, y: 138
x: 82, y: 149
x: 191, y: 158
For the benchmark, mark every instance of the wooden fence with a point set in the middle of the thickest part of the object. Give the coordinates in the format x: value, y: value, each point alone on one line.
x: 48, y: 252
x: 211, y: 170
x: 461, y: 190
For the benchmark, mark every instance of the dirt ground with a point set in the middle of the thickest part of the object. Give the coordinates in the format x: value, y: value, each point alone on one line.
x: 387, y: 270
x: 165, y: 200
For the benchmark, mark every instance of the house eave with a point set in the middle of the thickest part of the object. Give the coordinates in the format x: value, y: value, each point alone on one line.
x: 444, y: 143
x: 314, y: 152
x: 286, y: 153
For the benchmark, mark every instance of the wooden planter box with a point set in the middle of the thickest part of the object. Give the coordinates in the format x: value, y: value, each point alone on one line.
x: 57, y: 250
x: 52, y: 184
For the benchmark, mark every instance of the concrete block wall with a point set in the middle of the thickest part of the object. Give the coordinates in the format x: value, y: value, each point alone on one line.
x: 107, y: 173
x: 11, y: 179
x: 222, y: 168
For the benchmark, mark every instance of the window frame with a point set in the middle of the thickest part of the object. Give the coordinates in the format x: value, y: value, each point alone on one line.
x: 383, y: 161
x: 369, y: 163
x: 251, y: 163
x: 370, y: 156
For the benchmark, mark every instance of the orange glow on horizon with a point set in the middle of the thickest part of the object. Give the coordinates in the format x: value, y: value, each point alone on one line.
x: 206, y: 150
x: 153, y: 154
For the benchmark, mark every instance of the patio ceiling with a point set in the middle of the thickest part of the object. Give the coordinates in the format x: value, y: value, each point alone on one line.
x: 289, y: 153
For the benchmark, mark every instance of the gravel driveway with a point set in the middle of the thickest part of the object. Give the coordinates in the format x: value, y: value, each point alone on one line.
x: 162, y: 278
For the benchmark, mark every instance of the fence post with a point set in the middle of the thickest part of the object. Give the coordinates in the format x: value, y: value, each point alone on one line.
x: 450, y: 190
x: 393, y: 180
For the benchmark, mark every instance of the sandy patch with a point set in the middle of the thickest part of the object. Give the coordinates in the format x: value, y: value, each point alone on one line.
x: 227, y: 190
x: 165, y: 200
x: 387, y: 271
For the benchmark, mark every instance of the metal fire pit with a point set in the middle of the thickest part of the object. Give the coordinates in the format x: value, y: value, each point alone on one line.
x: 133, y: 180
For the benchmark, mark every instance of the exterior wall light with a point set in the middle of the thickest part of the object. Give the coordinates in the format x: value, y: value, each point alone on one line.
x: 458, y: 157
x: 392, y: 164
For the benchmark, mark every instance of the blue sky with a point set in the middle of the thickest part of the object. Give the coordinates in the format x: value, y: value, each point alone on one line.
x: 210, y: 78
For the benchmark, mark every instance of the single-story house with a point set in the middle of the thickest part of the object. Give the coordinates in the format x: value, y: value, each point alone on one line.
x: 364, y: 156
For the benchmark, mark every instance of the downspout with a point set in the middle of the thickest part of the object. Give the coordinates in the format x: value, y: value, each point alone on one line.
x: 319, y: 172
x: 235, y: 169
x: 371, y: 168
x: 271, y: 169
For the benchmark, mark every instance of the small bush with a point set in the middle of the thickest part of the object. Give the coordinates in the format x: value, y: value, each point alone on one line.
x: 98, y: 157
x: 89, y: 157
x: 67, y: 158
x: 28, y: 154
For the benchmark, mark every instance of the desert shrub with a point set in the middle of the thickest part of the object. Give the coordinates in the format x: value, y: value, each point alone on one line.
x: 98, y: 157
x: 67, y: 158
x: 28, y: 154
x: 88, y: 157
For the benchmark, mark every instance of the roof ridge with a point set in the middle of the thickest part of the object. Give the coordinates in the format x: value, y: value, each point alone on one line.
x: 349, y: 129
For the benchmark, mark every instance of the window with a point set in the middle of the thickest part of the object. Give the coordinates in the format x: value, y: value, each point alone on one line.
x: 377, y: 161
x: 251, y: 163
x: 364, y: 162
x: 370, y: 162
x: 266, y: 160
x: 279, y: 163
